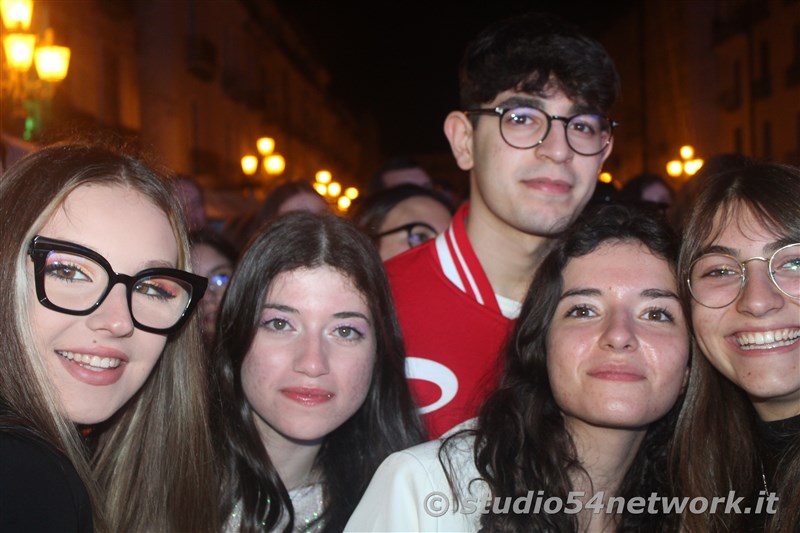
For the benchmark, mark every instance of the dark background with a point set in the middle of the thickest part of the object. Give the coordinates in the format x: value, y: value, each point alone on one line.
x: 399, y: 60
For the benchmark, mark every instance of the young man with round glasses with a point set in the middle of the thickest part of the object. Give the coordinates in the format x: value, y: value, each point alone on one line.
x: 533, y: 133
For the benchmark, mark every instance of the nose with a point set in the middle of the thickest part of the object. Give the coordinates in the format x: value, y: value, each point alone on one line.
x: 311, y: 358
x: 554, y: 146
x: 212, y: 297
x: 113, y: 314
x: 619, y: 333
x: 759, y: 295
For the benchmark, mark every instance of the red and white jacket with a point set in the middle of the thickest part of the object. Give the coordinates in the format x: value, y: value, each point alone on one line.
x: 453, y: 327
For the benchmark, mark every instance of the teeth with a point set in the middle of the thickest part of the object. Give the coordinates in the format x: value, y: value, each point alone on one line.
x: 767, y: 339
x: 91, y: 360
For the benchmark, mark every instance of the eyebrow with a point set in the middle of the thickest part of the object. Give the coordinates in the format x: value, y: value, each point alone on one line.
x: 158, y: 263
x: 153, y: 263
x: 290, y: 309
x: 768, y: 248
x: 647, y: 293
x: 538, y: 103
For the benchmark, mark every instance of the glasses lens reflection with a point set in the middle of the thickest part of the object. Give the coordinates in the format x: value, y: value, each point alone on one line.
x: 525, y: 127
x: 716, y: 280
x: 74, y: 282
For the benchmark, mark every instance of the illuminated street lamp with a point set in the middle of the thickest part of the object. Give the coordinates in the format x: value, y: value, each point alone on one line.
x: 265, y: 145
x: 687, y: 166
x: 334, y: 189
x: 323, y: 176
x: 249, y: 164
x: 274, y: 164
x: 16, y: 13
x: 52, y: 62
x: 23, y: 50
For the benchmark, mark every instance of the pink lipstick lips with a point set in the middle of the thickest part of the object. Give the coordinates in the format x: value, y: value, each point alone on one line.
x: 308, y: 396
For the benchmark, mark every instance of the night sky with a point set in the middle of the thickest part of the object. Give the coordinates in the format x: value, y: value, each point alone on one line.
x: 399, y: 59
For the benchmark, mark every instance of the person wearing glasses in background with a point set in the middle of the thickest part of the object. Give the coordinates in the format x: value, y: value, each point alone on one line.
x: 103, y: 414
x: 740, y: 260
x: 533, y: 133
x: 213, y: 257
x: 402, y: 217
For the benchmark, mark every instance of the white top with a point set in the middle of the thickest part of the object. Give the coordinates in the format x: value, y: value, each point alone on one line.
x: 410, y: 492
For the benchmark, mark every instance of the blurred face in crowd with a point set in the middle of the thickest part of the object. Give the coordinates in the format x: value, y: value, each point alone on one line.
x: 414, y: 175
x: 657, y: 193
x: 429, y: 216
x: 208, y: 262
x: 306, y: 201
x: 191, y: 199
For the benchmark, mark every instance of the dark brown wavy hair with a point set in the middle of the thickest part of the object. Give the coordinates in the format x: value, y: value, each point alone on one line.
x: 521, y: 442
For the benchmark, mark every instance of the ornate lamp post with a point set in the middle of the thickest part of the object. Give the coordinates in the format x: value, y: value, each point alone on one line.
x: 24, y: 87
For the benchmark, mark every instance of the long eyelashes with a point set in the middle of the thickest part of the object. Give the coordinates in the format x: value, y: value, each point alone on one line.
x: 659, y: 314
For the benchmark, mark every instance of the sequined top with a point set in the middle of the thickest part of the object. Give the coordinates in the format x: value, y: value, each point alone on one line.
x: 308, y: 506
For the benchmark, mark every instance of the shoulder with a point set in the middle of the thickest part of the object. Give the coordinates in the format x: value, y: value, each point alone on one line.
x: 412, y: 490
x: 39, y: 487
x: 416, y: 259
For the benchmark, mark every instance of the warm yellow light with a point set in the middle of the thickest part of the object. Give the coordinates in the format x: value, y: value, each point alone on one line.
x: 674, y: 168
x: 265, y: 145
x: 343, y: 202
x: 323, y: 176
x: 16, y: 13
x: 321, y: 188
x: 52, y: 62
x: 19, y: 50
x: 334, y: 189
x: 351, y: 192
x: 274, y: 164
x: 249, y: 164
x: 691, y: 167
x: 605, y: 177
x: 687, y: 152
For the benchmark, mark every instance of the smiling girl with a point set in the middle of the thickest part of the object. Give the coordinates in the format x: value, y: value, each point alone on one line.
x: 740, y: 260
x: 97, y: 335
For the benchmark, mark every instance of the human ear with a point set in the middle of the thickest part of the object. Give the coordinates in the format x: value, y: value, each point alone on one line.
x: 458, y: 129
x: 605, y: 153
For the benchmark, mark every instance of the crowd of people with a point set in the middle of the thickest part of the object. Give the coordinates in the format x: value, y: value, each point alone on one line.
x: 533, y: 358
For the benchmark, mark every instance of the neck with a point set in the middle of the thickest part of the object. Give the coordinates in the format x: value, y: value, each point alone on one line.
x: 606, y: 454
x: 293, y: 460
x: 521, y: 252
x: 776, y: 409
